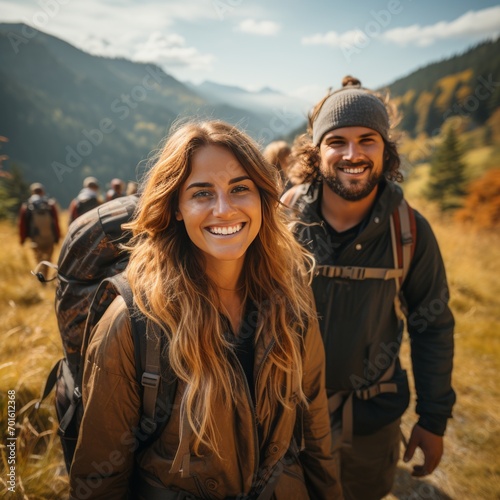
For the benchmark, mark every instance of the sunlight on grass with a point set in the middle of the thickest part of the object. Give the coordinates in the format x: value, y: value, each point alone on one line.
x: 470, y: 467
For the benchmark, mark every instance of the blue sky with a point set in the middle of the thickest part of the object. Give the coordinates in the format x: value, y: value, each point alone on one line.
x: 299, y: 47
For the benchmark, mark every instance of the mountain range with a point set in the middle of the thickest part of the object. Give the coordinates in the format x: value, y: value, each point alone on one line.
x: 69, y: 114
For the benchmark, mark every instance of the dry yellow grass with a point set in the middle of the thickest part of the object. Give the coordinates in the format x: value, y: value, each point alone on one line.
x: 470, y: 468
x: 30, y: 345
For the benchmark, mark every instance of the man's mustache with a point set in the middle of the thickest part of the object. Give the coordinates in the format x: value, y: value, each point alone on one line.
x: 350, y: 164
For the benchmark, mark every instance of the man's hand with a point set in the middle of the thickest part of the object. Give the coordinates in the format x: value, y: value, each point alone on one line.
x: 432, y: 446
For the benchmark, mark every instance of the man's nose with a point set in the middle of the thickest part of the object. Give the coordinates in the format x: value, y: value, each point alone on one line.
x: 352, y: 151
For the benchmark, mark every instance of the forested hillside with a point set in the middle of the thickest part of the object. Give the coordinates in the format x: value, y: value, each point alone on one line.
x: 68, y: 114
x: 467, y: 85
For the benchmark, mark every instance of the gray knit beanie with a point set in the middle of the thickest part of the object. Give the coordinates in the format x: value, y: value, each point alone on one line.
x: 351, y: 107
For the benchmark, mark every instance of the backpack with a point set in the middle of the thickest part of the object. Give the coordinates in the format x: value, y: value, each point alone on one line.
x: 84, y: 202
x: 40, y: 221
x: 393, y: 380
x: 89, y: 274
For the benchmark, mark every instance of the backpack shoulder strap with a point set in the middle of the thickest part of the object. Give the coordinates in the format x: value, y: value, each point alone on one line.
x: 292, y: 196
x: 147, y: 355
x: 156, y: 390
x: 403, y: 237
x: 150, y: 381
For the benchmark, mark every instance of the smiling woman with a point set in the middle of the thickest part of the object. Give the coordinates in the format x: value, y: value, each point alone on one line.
x: 214, y: 265
x: 221, y: 209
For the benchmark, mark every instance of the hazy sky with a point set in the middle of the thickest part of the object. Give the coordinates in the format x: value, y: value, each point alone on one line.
x: 299, y: 47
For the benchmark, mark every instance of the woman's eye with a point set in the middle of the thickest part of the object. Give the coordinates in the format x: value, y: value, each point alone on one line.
x: 240, y: 189
x: 201, y: 194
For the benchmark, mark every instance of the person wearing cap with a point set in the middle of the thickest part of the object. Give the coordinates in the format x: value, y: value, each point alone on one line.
x: 348, y: 168
x: 39, y: 222
x: 116, y: 189
x: 87, y: 199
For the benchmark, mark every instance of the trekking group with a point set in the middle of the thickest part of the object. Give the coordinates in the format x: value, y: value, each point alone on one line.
x: 233, y: 330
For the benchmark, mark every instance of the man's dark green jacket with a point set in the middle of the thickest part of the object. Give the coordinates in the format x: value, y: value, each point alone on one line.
x: 360, y: 328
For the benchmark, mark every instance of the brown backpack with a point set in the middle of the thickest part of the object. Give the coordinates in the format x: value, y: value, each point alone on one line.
x: 89, y: 277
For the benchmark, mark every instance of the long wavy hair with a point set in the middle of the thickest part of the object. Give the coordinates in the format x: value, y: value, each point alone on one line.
x: 167, y: 275
x: 306, y: 156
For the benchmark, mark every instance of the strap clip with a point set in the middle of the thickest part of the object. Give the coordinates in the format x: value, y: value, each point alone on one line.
x: 369, y: 392
x: 77, y: 394
x: 150, y: 380
x: 353, y: 273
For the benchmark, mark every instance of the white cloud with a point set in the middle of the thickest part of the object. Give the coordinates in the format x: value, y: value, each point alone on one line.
x: 100, y: 46
x: 141, y: 32
x: 171, y: 51
x: 260, y: 28
x: 481, y: 23
x: 334, y: 39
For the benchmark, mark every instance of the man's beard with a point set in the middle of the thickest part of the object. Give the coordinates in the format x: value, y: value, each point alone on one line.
x: 354, y: 190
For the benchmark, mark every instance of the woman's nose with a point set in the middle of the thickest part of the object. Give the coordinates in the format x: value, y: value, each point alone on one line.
x: 223, y: 206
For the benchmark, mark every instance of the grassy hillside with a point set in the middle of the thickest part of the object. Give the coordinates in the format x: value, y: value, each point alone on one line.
x: 470, y: 468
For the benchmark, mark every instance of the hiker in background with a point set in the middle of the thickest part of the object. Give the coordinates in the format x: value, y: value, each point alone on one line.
x: 87, y: 199
x: 244, y: 345
x: 116, y: 190
x: 277, y: 153
x: 348, y: 164
x: 131, y: 188
x: 39, y: 221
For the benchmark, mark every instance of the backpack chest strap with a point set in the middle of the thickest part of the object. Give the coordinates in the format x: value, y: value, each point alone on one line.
x: 358, y: 273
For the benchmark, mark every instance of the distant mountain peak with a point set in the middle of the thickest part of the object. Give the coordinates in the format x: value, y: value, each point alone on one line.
x: 211, y: 85
x: 269, y: 90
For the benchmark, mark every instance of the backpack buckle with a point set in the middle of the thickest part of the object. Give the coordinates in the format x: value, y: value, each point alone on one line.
x: 77, y: 394
x: 368, y: 393
x: 353, y: 273
x: 150, y: 380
